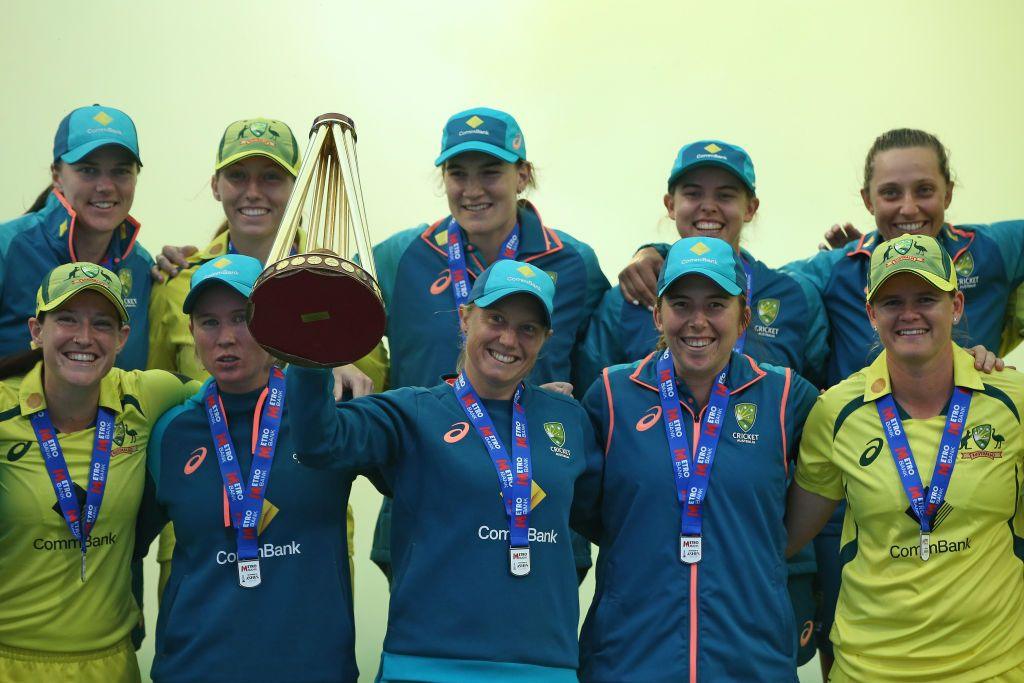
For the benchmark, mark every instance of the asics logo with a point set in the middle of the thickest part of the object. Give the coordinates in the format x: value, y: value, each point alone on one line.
x: 441, y: 283
x: 195, y: 460
x: 649, y: 419
x: 457, y: 432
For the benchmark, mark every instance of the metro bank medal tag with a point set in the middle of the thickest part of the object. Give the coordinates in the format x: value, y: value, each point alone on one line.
x: 248, y: 573
x: 689, y: 549
x: 519, y: 561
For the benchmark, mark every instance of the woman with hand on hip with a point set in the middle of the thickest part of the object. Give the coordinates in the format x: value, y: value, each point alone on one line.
x: 484, y: 584
x: 698, y: 438
x: 260, y: 539
x: 919, y: 413
x: 425, y: 273
x: 75, y: 429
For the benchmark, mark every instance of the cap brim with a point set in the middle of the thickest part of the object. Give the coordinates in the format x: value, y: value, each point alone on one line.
x: 73, y: 156
x: 672, y: 179
x: 255, y: 153
x: 497, y: 295
x: 193, y: 294
x: 99, y: 289
x: 934, y: 280
x: 477, y: 146
x: 727, y: 285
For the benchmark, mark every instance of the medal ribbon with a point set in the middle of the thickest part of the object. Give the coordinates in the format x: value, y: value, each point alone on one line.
x: 60, y: 476
x: 691, y: 479
x: 457, y: 258
x: 945, y: 461
x: 515, y: 475
x: 738, y: 346
x: 246, y: 503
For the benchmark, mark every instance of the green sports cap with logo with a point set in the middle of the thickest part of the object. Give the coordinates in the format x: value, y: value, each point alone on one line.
x: 918, y: 254
x: 69, y: 279
x: 259, y: 137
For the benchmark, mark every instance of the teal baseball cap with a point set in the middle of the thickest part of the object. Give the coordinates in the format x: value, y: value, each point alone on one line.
x: 732, y: 158
x: 482, y: 130
x: 88, y: 128
x: 507, y: 277
x: 713, y: 258
x: 234, y: 270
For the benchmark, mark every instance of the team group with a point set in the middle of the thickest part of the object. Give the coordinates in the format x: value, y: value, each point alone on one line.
x: 771, y: 461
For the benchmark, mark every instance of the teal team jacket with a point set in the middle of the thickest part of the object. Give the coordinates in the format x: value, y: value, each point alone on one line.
x: 305, y: 599
x: 727, y: 618
x: 423, y: 324
x: 33, y: 244
x: 456, y: 612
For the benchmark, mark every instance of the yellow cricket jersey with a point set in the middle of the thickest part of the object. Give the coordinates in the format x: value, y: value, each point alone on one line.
x: 170, y: 342
x: 43, y: 603
x: 960, y: 615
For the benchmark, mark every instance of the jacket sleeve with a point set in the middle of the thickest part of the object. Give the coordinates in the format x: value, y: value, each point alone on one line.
x: 1009, y: 238
x: 359, y: 435
x: 585, y: 515
x: 815, y: 348
x: 602, y: 345
x: 161, y: 351
x: 816, y: 270
x: 597, y: 285
x: 1013, y: 323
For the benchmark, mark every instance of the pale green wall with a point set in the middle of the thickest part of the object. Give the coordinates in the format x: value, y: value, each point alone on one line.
x: 605, y: 92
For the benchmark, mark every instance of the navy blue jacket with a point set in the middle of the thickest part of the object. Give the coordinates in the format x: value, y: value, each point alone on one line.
x: 453, y: 599
x: 729, y: 617
x: 298, y: 624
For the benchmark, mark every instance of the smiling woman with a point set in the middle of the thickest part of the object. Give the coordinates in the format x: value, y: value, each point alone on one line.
x: 82, y: 426
x: 425, y: 273
x: 691, y: 530
x: 460, y: 546
x: 82, y: 216
x: 923, y: 396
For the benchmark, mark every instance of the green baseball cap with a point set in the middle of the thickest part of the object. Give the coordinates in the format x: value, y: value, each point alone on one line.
x: 259, y: 137
x: 918, y: 254
x: 69, y: 279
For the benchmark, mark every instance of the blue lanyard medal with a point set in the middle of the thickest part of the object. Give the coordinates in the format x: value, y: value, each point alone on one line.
x: 80, y: 524
x: 691, y: 477
x: 945, y: 461
x: 457, y: 259
x: 741, y: 340
x: 246, y: 503
x: 515, y: 477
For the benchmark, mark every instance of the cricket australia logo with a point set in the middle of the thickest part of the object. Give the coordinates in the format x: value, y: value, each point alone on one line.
x: 965, y: 271
x: 555, y: 431
x: 982, y: 436
x: 746, y: 416
x: 124, y: 434
x: 767, y: 312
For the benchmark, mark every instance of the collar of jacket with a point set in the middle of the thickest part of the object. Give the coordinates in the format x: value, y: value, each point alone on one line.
x: 743, y: 372
x: 536, y: 239
x: 59, y: 224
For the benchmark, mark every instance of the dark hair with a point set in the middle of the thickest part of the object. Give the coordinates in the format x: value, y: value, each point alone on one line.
x: 19, y: 363
x: 40, y: 201
x: 663, y: 343
x: 902, y: 138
